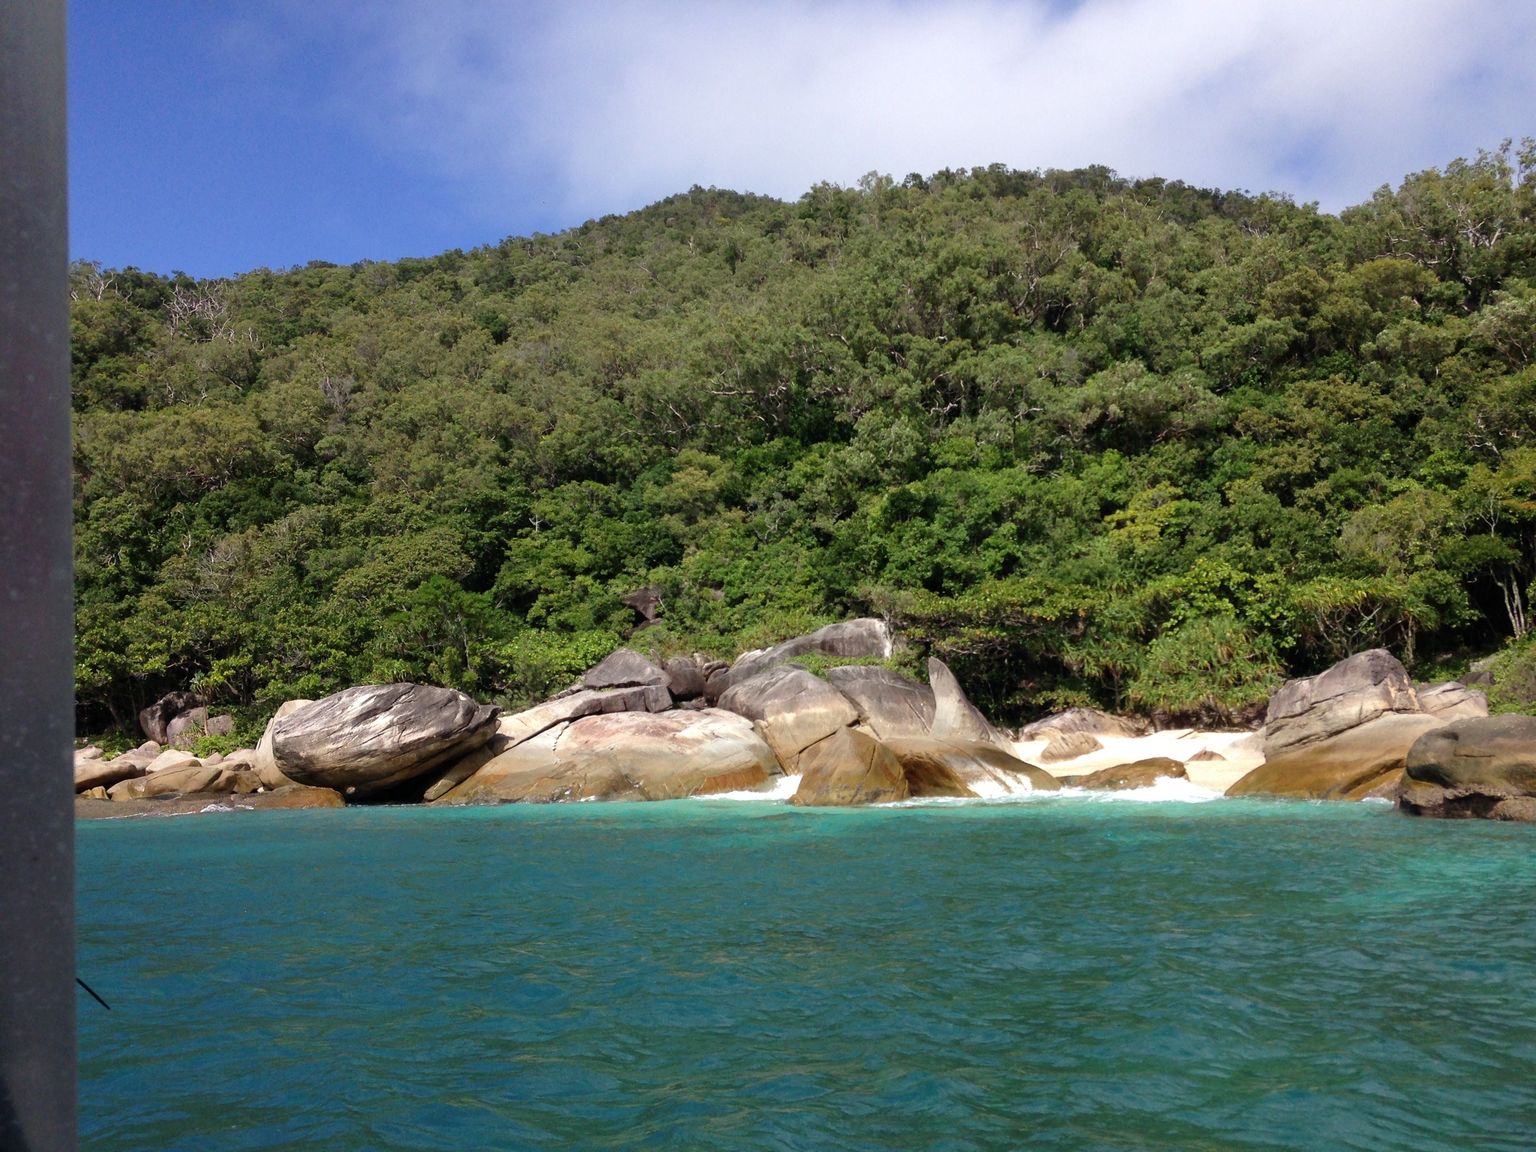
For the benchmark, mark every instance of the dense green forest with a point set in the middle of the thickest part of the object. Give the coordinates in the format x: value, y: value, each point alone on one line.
x: 1090, y: 439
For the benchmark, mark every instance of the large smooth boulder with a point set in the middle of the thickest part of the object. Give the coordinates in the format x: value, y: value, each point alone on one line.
x: 570, y: 706
x: 673, y: 755
x: 625, y: 756
x: 848, y: 768
x: 366, y: 740
x: 1137, y: 774
x: 793, y: 710
x: 889, y: 704
x: 1351, y: 693
x: 954, y: 716
x: 850, y: 639
x: 1452, y: 700
x: 1366, y: 760
x: 1482, y: 767
x: 935, y: 767
x: 623, y: 668
x: 1087, y: 720
x: 291, y: 797
x: 265, y: 765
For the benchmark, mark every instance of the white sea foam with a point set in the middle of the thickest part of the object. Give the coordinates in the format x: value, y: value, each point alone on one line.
x: 1001, y: 787
x: 779, y: 788
x: 1164, y: 789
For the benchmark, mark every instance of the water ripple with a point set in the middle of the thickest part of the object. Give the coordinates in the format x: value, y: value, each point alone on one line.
x: 737, y: 976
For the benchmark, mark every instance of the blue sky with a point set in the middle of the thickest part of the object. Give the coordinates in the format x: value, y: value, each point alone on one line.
x: 218, y: 137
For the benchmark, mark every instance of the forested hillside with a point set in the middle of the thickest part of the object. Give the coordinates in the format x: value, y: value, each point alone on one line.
x: 1091, y: 440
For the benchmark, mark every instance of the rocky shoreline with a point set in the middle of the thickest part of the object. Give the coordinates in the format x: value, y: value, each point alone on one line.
x: 633, y: 729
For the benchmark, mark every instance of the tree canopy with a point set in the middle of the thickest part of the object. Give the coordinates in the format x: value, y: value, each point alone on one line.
x: 1093, y: 440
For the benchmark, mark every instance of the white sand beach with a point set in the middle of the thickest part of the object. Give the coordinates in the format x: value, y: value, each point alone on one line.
x: 1242, y: 752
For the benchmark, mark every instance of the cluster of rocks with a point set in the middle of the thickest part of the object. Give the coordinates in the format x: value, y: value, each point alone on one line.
x: 178, y: 720
x: 1364, y: 730
x: 631, y: 729
x: 634, y: 729
x: 152, y: 779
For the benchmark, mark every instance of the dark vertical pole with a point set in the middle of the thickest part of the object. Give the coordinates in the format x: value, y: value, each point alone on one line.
x: 37, y: 904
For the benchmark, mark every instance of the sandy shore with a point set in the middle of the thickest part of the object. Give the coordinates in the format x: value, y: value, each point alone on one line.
x: 1241, y: 752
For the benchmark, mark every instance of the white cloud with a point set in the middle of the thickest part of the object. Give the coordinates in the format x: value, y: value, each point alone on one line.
x: 609, y: 106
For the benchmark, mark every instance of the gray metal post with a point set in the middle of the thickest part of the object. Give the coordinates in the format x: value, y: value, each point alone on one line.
x: 37, y: 899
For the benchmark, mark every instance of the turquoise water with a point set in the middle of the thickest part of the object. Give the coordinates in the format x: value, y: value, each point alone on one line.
x: 1057, y: 974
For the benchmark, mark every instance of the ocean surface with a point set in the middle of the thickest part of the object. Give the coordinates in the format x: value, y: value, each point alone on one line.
x: 1056, y: 973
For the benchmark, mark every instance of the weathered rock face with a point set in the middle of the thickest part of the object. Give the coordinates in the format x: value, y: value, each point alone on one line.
x: 1452, y: 701
x: 888, y: 703
x: 848, y: 768
x: 1483, y: 767
x: 1204, y: 755
x: 1366, y: 760
x: 684, y: 678
x: 1351, y: 693
x: 466, y: 766
x: 954, y: 716
x: 850, y: 639
x: 1138, y: 774
x: 793, y: 708
x: 171, y: 759
x: 240, y: 758
x: 585, y: 702
x: 365, y: 740
x: 186, y: 727
x: 265, y: 766
x: 1479, y: 673
x: 292, y: 796
x: 935, y: 767
x: 153, y: 720
x: 1069, y: 746
x: 646, y: 601
x: 625, y: 756
x: 623, y: 668
x: 526, y: 771
x: 1088, y: 720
